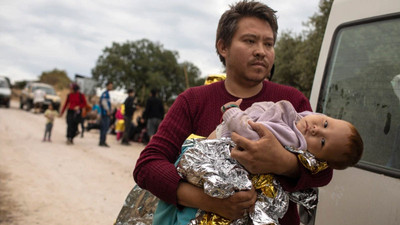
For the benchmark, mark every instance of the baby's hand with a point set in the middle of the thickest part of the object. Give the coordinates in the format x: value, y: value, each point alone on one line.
x: 231, y: 104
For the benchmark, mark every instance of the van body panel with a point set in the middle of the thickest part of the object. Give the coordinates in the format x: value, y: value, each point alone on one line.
x: 370, y: 192
x: 359, y: 197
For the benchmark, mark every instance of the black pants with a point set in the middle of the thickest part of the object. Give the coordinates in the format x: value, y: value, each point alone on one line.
x: 128, y: 125
x: 73, y: 120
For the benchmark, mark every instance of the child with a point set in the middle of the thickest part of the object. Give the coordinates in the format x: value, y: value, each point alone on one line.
x: 319, y: 141
x: 50, y: 114
x: 119, y: 121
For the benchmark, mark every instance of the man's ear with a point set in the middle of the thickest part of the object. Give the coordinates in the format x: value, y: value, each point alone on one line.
x: 222, y: 49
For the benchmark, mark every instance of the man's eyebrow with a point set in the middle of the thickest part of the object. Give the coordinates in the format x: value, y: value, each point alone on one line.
x: 257, y: 37
x: 249, y: 35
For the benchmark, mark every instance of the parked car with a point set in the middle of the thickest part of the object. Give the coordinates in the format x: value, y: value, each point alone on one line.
x: 26, y: 98
x: 5, y: 91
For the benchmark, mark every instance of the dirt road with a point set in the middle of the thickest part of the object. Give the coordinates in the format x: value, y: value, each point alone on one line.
x: 55, y: 183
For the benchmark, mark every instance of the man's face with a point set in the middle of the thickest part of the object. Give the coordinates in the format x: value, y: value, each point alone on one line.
x: 110, y: 86
x: 250, y: 56
x: 326, y: 137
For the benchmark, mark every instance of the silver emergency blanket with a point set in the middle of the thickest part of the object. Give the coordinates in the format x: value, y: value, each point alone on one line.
x: 308, y: 160
x: 138, y: 208
x: 208, y: 165
x: 307, y: 198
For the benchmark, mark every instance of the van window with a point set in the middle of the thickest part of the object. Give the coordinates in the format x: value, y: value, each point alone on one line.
x: 362, y: 85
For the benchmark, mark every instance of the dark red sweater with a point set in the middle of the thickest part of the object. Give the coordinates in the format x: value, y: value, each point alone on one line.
x: 197, y: 111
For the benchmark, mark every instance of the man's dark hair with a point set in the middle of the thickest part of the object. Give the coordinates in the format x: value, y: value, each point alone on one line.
x: 130, y: 91
x: 108, y: 82
x: 228, y: 23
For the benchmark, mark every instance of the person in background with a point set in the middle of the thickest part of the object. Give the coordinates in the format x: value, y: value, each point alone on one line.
x: 130, y: 107
x: 85, y: 115
x: 245, y: 40
x: 106, y: 110
x: 93, y: 120
x: 38, y: 100
x: 96, y: 111
x: 50, y: 114
x: 75, y: 102
x: 154, y: 113
x: 119, y: 121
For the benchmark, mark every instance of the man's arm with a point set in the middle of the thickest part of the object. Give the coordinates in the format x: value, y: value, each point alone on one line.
x: 104, y: 104
x: 265, y: 155
x: 231, y: 208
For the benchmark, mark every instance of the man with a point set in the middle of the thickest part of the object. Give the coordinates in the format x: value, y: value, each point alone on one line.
x: 130, y: 107
x: 154, y: 113
x: 38, y: 99
x: 245, y: 41
x: 105, y: 108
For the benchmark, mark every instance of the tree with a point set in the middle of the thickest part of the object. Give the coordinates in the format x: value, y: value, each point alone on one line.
x: 20, y: 84
x: 57, y: 78
x: 144, y: 65
x: 297, y: 55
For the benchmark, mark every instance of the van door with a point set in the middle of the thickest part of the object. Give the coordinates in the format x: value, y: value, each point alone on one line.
x: 361, y: 84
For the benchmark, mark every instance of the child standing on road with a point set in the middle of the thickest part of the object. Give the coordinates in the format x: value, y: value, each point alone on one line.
x: 50, y: 114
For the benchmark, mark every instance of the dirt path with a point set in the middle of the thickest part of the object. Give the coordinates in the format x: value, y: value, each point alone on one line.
x: 52, y: 183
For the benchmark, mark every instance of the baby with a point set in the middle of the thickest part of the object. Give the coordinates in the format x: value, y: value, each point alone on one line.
x: 330, y: 140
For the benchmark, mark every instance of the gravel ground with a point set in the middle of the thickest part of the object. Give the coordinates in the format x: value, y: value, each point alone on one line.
x: 55, y: 183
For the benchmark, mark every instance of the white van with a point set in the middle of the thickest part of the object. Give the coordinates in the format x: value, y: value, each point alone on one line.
x: 358, y: 79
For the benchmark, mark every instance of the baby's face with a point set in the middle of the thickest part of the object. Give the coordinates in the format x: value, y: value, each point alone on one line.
x: 326, y: 137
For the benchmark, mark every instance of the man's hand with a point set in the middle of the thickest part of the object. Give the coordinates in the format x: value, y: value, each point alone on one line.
x: 231, y: 208
x: 265, y: 155
x: 236, y: 205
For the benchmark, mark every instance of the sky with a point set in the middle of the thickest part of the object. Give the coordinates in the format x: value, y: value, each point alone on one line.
x: 70, y: 35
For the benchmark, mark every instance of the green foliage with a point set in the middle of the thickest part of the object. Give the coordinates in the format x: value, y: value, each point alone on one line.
x: 57, y: 78
x: 144, y: 65
x: 20, y: 84
x: 297, y: 55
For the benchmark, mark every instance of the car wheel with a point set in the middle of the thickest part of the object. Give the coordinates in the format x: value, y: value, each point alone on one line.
x: 8, y: 104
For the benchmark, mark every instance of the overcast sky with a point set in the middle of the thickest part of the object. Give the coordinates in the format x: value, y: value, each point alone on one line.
x: 40, y: 35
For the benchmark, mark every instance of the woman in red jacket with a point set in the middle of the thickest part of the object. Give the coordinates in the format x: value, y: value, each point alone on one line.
x: 75, y: 103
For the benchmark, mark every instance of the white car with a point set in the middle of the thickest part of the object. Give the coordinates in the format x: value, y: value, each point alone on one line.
x: 26, y: 98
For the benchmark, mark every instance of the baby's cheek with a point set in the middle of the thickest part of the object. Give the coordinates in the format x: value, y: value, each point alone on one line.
x: 312, y: 145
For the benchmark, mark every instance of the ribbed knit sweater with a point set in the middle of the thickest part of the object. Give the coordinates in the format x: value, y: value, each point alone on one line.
x: 197, y: 111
